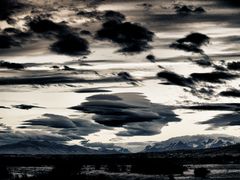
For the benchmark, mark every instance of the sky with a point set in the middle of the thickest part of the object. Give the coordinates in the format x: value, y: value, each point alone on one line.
x: 123, y: 73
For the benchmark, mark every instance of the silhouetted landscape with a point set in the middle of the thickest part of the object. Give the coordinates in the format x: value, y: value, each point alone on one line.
x: 212, y: 163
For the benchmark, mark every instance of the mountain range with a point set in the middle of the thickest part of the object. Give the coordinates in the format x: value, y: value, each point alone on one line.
x: 192, y: 142
x: 173, y: 144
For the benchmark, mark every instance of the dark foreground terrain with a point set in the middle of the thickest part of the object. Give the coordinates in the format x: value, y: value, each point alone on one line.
x: 218, y: 163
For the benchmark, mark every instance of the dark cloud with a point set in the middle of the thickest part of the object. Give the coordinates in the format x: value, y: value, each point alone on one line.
x: 68, y: 42
x: 85, y: 33
x: 17, y: 34
x: 151, y: 58
x: 230, y: 93
x: 213, y: 77
x: 4, y: 107
x: 7, y: 42
x: 11, y: 31
x: 203, y: 62
x: 9, y: 7
x: 126, y: 76
x: 25, y: 106
x: 40, y: 25
x: 186, y: 10
x: 8, y: 65
x: 67, y: 68
x: 163, y: 22
x: 215, y: 107
x: 114, y: 15
x: 38, y: 80
x: 175, y: 79
x: 224, y: 120
x: 129, y: 110
x: 46, y: 79
x: 104, y: 16
x: 131, y: 37
x: 71, y: 44
x: 92, y: 90
x: 11, y: 37
x: 230, y: 3
x: 234, y: 65
x: 191, y: 43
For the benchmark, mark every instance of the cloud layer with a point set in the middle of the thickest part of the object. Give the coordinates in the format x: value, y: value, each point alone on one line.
x: 129, y: 110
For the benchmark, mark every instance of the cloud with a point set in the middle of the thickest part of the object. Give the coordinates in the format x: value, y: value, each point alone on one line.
x: 224, y: 120
x: 72, y: 128
x: 40, y: 79
x: 4, y: 107
x: 9, y: 7
x: 90, y: 14
x: 104, y: 16
x: 234, y: 65
x: 126, y: 76
x: 91, y: 90
x: 8, y: 65
x: 39, y: 25
x: 25, y: 106
x: 175, y: 79
x: 230, y: 3
x: 191, y: 43
x: 131, y: 37
x: 215, y: 107
x: 49, y: 78
x: 7, y: 42
x: 68, y: 42
x: 71, y: 44
x: 203, y: 62
x: 142, y: 129
x: 213, y: 77
x: 10, y: 136
x: 114, y: 15
x: 11, y: 37
x: 129, y: 110
x: 230, y: 93
x: 186, y: 10
x: 151, y: 58
x: 51, y: 120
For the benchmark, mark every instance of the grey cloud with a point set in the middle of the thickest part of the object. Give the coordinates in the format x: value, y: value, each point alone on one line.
x: 72, y: 128
x: 224, y: 120
x: 9, y: 136
x: 142, y: 128
x: 51, y: 120
x: 214, y: 107
x: 49, y: 78
x: 129, y: 110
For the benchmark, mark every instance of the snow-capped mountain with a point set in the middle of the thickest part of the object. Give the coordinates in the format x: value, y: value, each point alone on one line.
x: 46, y: 147
x: 192, y: 142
